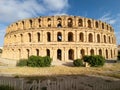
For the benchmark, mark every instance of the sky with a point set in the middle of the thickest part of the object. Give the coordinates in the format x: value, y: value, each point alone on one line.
x: 104, y: 10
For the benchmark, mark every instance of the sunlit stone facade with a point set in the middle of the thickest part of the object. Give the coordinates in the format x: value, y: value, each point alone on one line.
x: 60, y: 37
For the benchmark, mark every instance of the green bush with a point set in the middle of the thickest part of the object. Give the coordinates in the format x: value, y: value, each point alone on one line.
x: 78, y: 62
x: 118, y: 57
x: 37, y: 61
x: 22, y: 62
x: 94, y: 60
x: 6, y: 87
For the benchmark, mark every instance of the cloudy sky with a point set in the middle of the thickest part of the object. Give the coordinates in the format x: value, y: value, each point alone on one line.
x: 105, y: 10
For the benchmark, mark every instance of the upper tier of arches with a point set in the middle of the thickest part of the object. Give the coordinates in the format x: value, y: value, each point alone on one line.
x: 59, y: 22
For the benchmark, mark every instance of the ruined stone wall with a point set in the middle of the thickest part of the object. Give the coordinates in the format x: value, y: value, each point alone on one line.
x: 60, y: 37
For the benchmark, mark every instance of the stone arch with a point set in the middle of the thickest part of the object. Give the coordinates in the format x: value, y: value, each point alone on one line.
x: 104, y: 39
x: 96, y: 24
x: 71, y: 54
x: 37, y: 52
x: 48, y: 52
x: 106, y: 53
x: 31, y: 22
x: 109, y: 39
x: 89, y: 23
x: 90, y: 37
x: 48, y: 36
x: 82, y: 52
x: 21, y: 38
x: 29, y: 37
x: 28, y: 53
x: 39, y: 21
x: 59, y: 36
x: 59, y: 20
x: 23, y: 24
x: 111, y: 54
x: 107, y: 27
x: 38, y: 37
x: 70, y: 22
x: 49, y: 22
x: 81, y: 37
x: 102, y: 25
x: 100, y: 52
x: 59, y: 54
x: 98, y: 38
x: 80, y: 22
x: 70, y: 36
x: 92, y: 52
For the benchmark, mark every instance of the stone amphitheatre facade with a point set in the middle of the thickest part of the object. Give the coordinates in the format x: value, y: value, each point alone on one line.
x: 62, y: 38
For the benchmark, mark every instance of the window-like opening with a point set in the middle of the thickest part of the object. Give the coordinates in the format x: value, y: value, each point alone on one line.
x: 19, y: 51
x: 48, y: 36
x: 106, y: 53
x: 29, y: 35
x: 28, y: 53
x: 21, y: 37
x: 48, y: 52
x: 100, y: 52
x: 89, y: 23
x: 71, y: 54
x: 70, y: 36
x: 37, y: 52
x: 80, y: 23
x: 38, y: 36
x: 109, y: 39
x: 59, y: 36
x: 90, y: 38
x: 49, y: 22
x: 39, y: 21
x: 98, y: 38
x: 81, y: 37
x: 107, y: 27
x: 111, y: 54
x: 104, y: 39
x: 59, y: 54
x: 23, y: 24
x: 82, y: 52
x: 30, y: 23
x: 70, y: 22
x: 59, y: 20
x: 91, y: 52
x: 96, y: 24
x: 102, y: 25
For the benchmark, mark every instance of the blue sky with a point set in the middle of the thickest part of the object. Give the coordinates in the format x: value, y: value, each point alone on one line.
x: 105, y: 10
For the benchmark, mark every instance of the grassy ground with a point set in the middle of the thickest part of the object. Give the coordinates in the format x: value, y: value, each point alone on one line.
x: 112, y: 70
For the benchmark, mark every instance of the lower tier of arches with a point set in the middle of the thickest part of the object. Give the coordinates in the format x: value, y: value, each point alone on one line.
x: 59, y: 53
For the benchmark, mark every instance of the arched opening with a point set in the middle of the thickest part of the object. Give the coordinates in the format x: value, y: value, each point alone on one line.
x: 81, y: 36
x: 104, y: 39
x: 82, y: 52
x: 21, y: 37
x: 49, y: 22
x: 59, y: 20
x: 38, y: 37
x: 109, y: 39
x: 80, y: 22
x: 29, y: 35
x: 19, y: 51
x: 59, y: 54
x: 28, y: 53
x: 71, y: 54
x: 23, y: 24
x: 106, y: 53
x: 70, y: 36
x: 39, y: 21
x: 107, y: 27
x: 89, y: 23
x: 70, y: 22
x: 37, y: 52
x: 90, y: 38
x: 48, y: 36
x: 96, y: 24
x: 102, y: 25
x: 30, y: 23
x: 59, y: 37
x: 98, y: 38
x: 100, y: 52
x: 48, y: 52
x: 111, y: 54
x: 91, y: 52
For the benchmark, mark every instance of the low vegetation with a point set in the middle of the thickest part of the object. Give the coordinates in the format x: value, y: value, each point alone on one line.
x: 6, y: 87
x: 118, y: 57
x: 36, y: 61
x: 78, y: 62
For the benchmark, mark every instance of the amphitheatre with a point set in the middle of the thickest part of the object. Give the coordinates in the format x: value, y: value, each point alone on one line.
x: 63, y: 38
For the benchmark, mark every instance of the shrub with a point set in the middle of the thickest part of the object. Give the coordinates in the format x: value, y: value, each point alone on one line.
x: 94, y: 60
x: 22, y: 62
x: 78, y: 62
x: 118, y: 57
x: 6, y: 87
